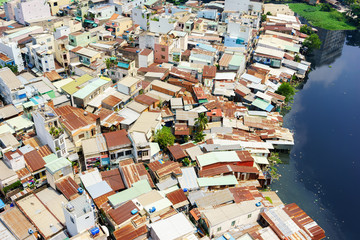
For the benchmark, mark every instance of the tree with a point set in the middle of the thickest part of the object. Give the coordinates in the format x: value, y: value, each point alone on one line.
x: 312, y: 42
x: 199, y: 136
x: 355, y: 13
x: 306, y: 29
x: 325, y: 7
x: 297, y: 58
x: 287, y: 91
x: 13, y: 68
x: 164, y: 138
x: 201, y: 122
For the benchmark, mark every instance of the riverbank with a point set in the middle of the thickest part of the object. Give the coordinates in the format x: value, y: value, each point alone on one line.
x: 332, y: 20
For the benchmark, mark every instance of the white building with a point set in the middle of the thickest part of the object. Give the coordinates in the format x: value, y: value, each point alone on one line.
x: 25, y: 11
x: 62, y: 31
x: 243, y: 6
x: 147, y: 40
x: 12, y: 50
x: 44, y: 39
x: 162, y: 24
x: 49, y: 130
x: 79, y: 215
x: 125, y: 6
x: 208, y: 14
x: 40, y: 57
x: 146, y: 58
x: 12, y: 90
x: 141, y: 17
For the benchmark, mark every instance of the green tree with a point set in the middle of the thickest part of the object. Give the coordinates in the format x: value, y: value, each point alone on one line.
x: 13, y: 68
x: 355, y: 13
x: 201, y: 122
x: 306, y: 29
x: 287, y: 91
x: 199, y: 136
x: 164, y: 138
x: 325, y: 7
x: 312, y: 42
x: 297, y: 58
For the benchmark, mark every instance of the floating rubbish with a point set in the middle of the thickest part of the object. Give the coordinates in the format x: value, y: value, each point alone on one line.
x: 330, y: 66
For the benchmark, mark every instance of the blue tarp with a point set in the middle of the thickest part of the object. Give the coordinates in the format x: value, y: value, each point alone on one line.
x: 123, y: 65
x: 269, y: 108
x: 2, y: 204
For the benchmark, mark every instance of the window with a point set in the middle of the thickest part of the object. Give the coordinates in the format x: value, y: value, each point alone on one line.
x: 128, y: 152
x: 145, y: 153
x: 233, y: 223
x: 163, y: 49
x: 219, y: 229
x: 116, y: 9
x: 55, y: 4
x: 50, y: 48
x: 162, y: 57
x: 249, y: 216
x: 87, y: 217
x: 139, y: 153
x: 113, y: 156
x: 72, y: 219
x: 81, y: 136
x: 37, y: 176
x: 120, y: 154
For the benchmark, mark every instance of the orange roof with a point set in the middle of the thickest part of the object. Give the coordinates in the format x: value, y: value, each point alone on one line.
x: 114, y: 16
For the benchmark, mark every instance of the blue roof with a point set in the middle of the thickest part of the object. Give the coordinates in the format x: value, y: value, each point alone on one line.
x: 123, y: 65
x: 269, y: 108
x: 2, y: 204
x: 98, y: 189
x: 206, y: 47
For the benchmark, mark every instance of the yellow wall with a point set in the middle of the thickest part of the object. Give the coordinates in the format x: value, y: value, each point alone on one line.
x: 54, y: 9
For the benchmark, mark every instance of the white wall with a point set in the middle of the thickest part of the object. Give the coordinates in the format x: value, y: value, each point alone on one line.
x: 137, y: 17
x: 145, y: 61
x: 12, y: 50
x: 80, y: 224
x: 162, y: 26
x: 242, y: 5
x: 147, y: 41
x: 32, y: 10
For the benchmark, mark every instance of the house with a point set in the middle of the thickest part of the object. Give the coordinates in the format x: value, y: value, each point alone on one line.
x: 208, y: 14
x: 289, y: 221
x: 119, y: 146
x: 118, y: 26
x: 8, y: 143
x: 172, y: 228
x: 216, y: 159
x: 57, y: 169
x: 7, y: 176
x: 141, y: 146
x: 176, y: 152
x: 12, y: 90
x: 14, y: 159
x: 12, y: 51
x: 31, y: 205
x: 243, y: 6
x: 68, y: 187
x: 39, y: 56
x: 148, y: 123
x: 49, y: 130
x: 113, y: 178
x: 164, y: 87
x: 240, y: 172
x: 79, y: 215
x: 188, y: 179
x: 81, y: 39
x: 275, y: 9
x: 151, y: 103
x: 5, y: 60
x: 176, y: 104
x: 161, y: 170
x: 219, y: 220
x: 123, y: 215
x: 78, y: 123
x: 146, y: 58
x: 36, y: 165
x: 179, y: 200
x: 84, y: 55
x: 209, y: 73
x: 129, y: 86
x: 95, y: 87
x: 25, y: 12
x: 132, y: 173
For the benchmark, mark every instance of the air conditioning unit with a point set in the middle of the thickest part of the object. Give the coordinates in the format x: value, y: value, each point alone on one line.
x: 227, y: 236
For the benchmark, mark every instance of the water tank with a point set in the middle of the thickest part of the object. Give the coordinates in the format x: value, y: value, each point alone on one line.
x: 258, y: 204
x: 153, y: 209
x: 185, y: 190
x: 134, y: 211
x: 94, y: 231
x: 30, y: 231
x: 80, y: 190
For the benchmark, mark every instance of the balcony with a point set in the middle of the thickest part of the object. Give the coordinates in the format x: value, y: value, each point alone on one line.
x: 56, y: 132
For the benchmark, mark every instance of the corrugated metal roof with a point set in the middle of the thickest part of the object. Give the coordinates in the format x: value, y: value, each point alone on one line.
x: 217, y: 181
x: 98, y: 189
x: 217, y: 157
x: 72, y: 87
x: 90, y: 88
x: 57, y: 165
x: 17, y: 223
x: 123, y: 213
x: 113, y: 178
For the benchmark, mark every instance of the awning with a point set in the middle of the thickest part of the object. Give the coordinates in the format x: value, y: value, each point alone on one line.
x: 78, y: 19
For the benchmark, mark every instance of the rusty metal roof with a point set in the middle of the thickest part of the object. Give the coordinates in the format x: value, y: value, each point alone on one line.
x: 111, y: 101
x: 145, y: 99
x: 123, y: 213
x: 74, y: 118
x: 113, y: 178
x: 44, y: 151
x: 117, y: 139
x: 209, y: 71
x: 68, y: 187
x: 17, y: 223
x: 177, y: 196
x: 165, y: 168
x: 129, y: 232
x: 34, y: 161
x: 52, y: 76
x: 219, y: 170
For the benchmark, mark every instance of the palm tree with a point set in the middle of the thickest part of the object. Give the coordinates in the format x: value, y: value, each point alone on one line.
x: 201, y: 122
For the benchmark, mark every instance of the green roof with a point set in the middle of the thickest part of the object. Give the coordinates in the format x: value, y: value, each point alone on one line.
x: 260, y: 103
x: 71, y: 87
x: 216, y: 157
x: 136, y: 190
x: 236, y: 60
x: 91, y: 87
x: 57, y: 165
x: 51, y: 94
x: 217, y: 181
x: 292, y: 48
x: 50, y: 158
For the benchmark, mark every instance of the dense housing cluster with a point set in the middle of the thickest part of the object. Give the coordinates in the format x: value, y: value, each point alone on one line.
x: 146, y: 120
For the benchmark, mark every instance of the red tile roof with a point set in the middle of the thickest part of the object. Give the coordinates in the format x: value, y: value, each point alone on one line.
x: 245, y: 156
x: 199, y: 93
x: 34, y: 161
x: 146, y: 52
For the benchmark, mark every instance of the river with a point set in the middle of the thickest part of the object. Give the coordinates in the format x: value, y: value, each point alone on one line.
x: 321, y: 172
